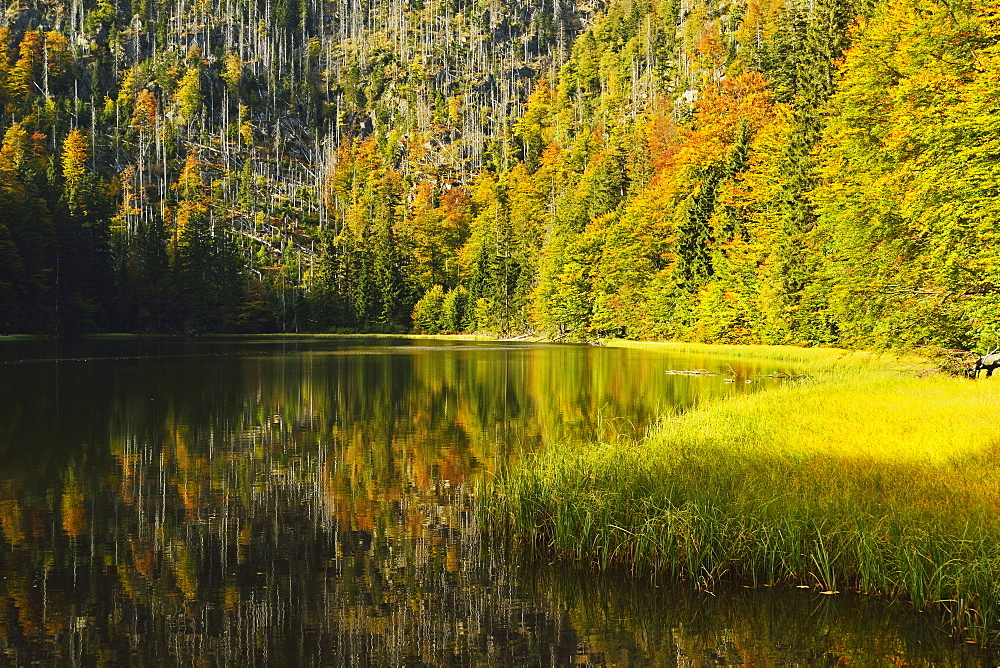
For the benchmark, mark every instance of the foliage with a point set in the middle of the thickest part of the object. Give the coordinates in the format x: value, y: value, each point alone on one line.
x: 809, y: 173
x: 910, y: 164
x: 427, y: 313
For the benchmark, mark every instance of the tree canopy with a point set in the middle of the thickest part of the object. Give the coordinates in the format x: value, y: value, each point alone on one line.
x: 814, y: 172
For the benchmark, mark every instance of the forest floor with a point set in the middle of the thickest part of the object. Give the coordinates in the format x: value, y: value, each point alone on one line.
x: 873, y: 475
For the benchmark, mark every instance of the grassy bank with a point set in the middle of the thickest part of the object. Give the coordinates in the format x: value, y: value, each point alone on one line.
x: 815, y: 359
x: 867, y: 479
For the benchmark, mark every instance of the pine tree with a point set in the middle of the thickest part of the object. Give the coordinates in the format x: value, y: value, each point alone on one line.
x: 83, y: 240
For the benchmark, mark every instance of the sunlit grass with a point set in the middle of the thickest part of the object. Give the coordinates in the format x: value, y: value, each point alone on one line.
x: 866, y: 479
x: 811, y: 357
x: 859, y: 413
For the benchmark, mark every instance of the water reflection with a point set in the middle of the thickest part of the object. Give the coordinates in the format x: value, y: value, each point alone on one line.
x: 267, y: 500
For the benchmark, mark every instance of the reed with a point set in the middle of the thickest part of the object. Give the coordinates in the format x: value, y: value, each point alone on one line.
x: 867, y: 479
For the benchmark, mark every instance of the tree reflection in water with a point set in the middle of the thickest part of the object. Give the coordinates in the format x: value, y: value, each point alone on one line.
x: 266, y: 501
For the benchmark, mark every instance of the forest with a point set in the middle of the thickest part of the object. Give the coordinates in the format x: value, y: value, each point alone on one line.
x: 812, y: 172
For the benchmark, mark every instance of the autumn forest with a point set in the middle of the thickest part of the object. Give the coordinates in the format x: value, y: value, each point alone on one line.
x: 756, y: 171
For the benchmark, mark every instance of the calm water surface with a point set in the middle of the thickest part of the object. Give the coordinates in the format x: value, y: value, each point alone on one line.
x: 307, y: 502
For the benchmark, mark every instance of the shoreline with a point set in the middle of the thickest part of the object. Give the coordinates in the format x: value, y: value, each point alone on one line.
x: 868, y: 479
x: 780, y: 353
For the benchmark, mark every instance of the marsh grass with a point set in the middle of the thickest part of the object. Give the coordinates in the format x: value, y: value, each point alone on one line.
x: 813, y: 359
x: 866, y: 479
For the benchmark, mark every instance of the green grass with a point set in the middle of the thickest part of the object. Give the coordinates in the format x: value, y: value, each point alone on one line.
x: 865, y: 478
x: 813, y: 358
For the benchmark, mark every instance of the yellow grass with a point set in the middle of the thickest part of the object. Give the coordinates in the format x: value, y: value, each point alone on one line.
x: 811, y: 357
x: 863, y: 477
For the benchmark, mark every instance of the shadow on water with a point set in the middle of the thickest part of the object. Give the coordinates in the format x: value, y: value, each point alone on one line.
x: 279, y: 501
x: 624, y: 620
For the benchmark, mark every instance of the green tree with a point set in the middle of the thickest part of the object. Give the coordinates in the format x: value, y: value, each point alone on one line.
x: 909, y: 198
x: 189, y: 94
x: 82, y: 229
x: 454, y: 311
x: 428, y: 312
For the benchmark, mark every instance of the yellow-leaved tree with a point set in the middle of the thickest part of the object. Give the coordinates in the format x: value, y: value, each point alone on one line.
x: 76, y: 152
x: 910, y: 162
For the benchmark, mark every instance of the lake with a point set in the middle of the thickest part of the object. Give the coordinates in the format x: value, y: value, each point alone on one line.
x: 309, y: 501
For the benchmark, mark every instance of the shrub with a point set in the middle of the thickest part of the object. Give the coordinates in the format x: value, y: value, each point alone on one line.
x: 427, y: 312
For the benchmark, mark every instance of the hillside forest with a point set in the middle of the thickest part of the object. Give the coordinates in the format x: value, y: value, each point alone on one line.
x: 817, y: 172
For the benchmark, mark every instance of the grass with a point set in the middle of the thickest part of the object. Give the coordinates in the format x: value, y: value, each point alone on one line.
x: 865, y: 478
x: 813, y: 358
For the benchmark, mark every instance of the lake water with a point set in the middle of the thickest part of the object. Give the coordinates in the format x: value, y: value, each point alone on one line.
x: 297, y: 501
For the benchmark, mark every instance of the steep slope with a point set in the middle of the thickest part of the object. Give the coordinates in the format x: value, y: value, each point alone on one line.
x: 252, y: 99
x: 767, y: 171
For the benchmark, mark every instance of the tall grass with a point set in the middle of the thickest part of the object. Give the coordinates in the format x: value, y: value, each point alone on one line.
x: 868, y: 480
